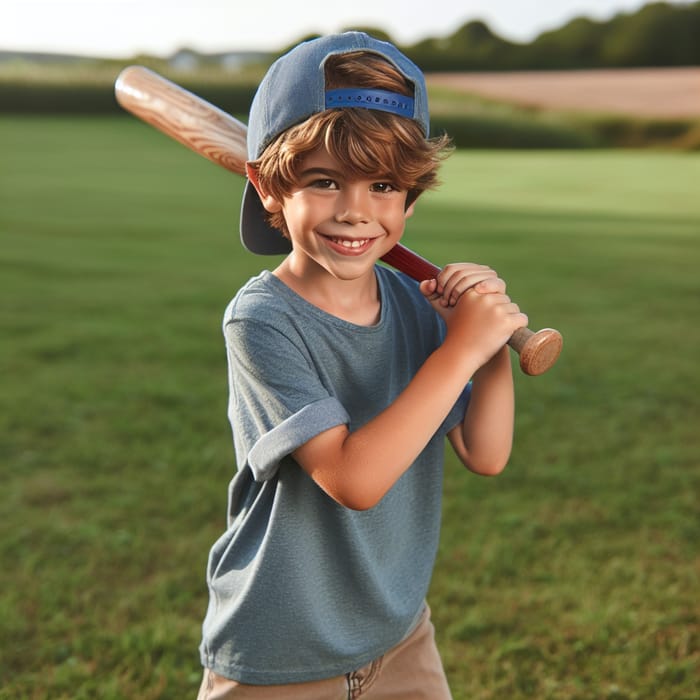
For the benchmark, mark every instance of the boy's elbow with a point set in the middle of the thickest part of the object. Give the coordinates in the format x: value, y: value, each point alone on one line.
x: 354, y: 494
x: 487, y: 467
x: 359, y: 506
x: 357, y: 499
x: 351, y: 493
x: 486, y: 458
x: 489, y: 470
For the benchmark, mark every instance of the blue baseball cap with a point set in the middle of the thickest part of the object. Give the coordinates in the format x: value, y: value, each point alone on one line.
x: 293, y: 89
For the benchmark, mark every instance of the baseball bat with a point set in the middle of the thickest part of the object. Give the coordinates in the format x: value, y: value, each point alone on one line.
x: 220, y: 137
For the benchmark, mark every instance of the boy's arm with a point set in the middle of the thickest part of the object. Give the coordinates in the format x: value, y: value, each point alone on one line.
x: 357, y: 469
x: 483, y: 441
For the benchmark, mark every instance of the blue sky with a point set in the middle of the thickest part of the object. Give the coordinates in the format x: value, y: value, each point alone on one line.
x: 121, y: 28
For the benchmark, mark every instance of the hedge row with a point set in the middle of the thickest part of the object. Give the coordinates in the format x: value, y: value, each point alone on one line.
x: 520, y: 130
x: 82, y: 98
x: 523, y: 132
x: 482, y: 131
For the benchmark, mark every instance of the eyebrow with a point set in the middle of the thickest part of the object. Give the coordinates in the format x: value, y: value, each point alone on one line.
x: 325, y: 172
x: 339, y: 175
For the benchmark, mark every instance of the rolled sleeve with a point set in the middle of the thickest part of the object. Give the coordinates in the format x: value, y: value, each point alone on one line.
x: 265, y: 455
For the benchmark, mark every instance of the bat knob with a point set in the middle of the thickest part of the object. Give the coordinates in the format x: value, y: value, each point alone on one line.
x: 538, y: 351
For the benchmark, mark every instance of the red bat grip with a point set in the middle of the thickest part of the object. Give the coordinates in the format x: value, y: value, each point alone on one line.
x: 411, y: 263
x: 537, y: 351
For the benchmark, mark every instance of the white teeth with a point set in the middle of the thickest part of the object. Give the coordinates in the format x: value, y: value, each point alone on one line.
x: 351, y: 244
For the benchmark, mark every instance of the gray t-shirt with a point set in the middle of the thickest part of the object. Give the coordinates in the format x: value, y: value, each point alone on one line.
x: 302, y: 588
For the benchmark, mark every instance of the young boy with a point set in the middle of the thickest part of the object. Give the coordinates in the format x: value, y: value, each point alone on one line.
x: 345, y: 378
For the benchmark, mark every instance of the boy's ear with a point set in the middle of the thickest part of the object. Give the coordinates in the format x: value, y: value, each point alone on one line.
x: 268, y: 201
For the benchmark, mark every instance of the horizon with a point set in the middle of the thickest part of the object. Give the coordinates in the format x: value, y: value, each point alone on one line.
x: 114, y: 29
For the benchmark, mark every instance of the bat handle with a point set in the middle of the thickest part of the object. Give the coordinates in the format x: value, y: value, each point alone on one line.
x: 538, y: 351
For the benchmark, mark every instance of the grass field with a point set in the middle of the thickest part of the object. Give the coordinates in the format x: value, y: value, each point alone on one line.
x: 573, y: 575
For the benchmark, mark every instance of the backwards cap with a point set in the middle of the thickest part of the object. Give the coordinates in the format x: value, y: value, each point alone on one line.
x: 293, y: 89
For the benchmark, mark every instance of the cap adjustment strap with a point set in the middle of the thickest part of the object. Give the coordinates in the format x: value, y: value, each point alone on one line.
x: 382, y: 100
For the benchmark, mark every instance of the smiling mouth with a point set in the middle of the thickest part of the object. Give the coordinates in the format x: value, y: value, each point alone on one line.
x: 350, y: 243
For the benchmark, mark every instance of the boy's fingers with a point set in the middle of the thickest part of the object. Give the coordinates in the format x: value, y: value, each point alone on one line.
x: 489, y: 285
x: 454, y: 280
x: 455, y: 290
x: 493, y: 285
x: 429, y: 289
x: 457, y: 278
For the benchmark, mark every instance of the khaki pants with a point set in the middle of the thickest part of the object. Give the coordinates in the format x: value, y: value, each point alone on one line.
x: 412, y: 670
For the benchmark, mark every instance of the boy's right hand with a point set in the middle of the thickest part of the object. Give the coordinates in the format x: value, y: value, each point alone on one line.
x: 483, y: 323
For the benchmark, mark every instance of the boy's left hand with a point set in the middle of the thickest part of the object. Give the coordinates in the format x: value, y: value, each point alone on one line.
x: 454, y: 279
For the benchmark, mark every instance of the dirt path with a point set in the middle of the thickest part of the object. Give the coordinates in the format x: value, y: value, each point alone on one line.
x: 652, y: 92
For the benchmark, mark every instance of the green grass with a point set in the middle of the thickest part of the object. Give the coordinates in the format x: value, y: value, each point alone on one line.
x: 575, y: 574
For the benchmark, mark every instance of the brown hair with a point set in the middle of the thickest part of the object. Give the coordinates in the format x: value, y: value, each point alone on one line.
x: 369, y: 143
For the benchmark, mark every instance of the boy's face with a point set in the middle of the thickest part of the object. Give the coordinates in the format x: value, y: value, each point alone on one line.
x: 343, y: 224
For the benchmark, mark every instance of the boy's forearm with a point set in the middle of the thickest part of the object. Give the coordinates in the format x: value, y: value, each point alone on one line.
x: 487, y: 431
x: 360, y: 470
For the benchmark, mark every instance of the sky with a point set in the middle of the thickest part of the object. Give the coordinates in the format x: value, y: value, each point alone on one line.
x: 123, y: 28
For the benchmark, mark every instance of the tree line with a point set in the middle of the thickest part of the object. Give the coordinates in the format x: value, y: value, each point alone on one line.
x: 659, y: 34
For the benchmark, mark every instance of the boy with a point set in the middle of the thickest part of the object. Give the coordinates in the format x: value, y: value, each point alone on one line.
x: 345, y: 378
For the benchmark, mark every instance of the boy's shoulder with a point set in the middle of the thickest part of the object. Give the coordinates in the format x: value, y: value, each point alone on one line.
x: 258, y: 298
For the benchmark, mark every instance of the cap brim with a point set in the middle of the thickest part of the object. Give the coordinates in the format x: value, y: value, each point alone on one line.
x: 256, y: 234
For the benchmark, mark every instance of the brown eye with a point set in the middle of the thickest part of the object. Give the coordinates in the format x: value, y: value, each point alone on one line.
x: 324, y: 184
x: 383, y: 187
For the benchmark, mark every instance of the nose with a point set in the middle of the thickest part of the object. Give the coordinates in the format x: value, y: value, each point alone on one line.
x: 353, y: 205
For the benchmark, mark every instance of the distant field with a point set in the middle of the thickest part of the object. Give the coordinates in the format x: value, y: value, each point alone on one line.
x: 653, y: 92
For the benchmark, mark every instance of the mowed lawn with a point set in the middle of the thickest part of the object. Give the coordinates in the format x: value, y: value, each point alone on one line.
x: 574, y: 574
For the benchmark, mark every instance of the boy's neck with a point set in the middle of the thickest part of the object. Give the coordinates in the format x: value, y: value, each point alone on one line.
x: 356, y: 301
